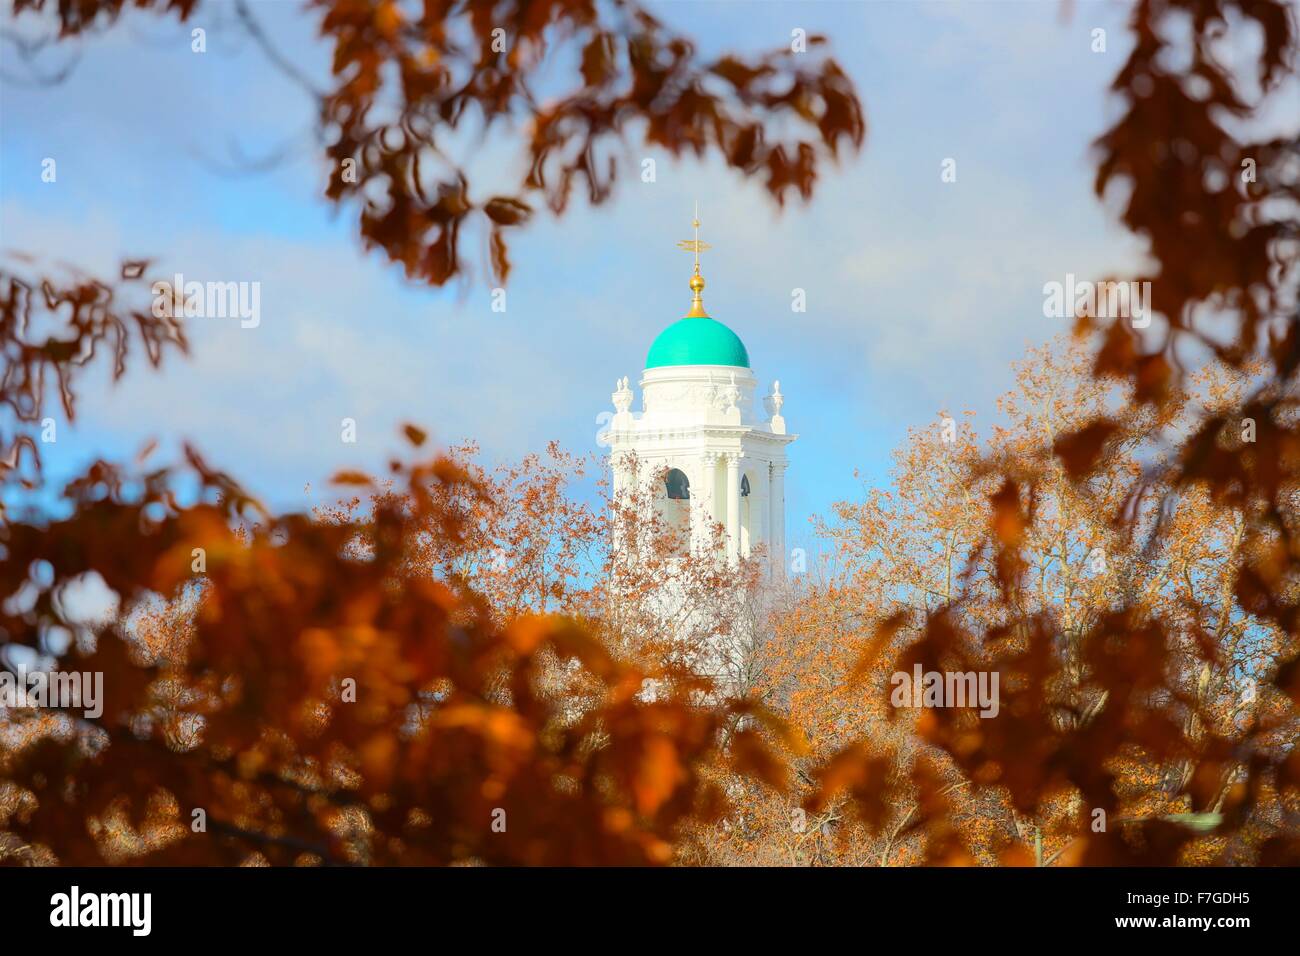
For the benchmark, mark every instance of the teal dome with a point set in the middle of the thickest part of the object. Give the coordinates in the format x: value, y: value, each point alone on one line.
x: 697, y: 341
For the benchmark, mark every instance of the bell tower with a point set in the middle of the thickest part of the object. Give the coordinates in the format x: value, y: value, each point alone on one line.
x: 707, y: 445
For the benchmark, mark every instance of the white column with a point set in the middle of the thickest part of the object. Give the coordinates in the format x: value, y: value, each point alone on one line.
x: 618, y: 464
x: 701, y: 503
x: 733, y: 506
x: 776, y: 509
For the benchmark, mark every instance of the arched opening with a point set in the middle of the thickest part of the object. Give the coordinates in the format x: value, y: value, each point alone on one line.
x: 675, y: 504
x: 679, y: 486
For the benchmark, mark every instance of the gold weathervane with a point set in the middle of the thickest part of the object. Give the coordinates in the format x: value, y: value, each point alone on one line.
x: 697, y: 280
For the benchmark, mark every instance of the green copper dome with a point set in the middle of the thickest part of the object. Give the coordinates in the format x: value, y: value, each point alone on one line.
x: 697, y: 341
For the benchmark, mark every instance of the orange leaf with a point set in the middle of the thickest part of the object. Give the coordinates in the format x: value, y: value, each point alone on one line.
x: 351, y: 478
x: 658, y: 775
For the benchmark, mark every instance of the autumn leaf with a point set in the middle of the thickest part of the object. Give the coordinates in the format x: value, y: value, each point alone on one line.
x: 752, y: 757
x: 351, y: 478
x: 658, y: 774
x: 1079, y: 450
x: 876, y: 645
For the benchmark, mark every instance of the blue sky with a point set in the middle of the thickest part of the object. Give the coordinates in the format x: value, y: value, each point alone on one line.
x: 920, y: 293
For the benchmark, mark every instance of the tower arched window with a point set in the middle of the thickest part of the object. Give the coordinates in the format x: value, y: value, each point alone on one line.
x: 679, y: 487
x: 744, y: 486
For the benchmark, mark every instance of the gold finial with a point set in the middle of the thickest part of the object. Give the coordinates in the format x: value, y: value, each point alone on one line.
x: 697, y: 280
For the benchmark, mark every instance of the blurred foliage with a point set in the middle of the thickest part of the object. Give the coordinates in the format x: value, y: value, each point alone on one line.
x: 1115, y: 696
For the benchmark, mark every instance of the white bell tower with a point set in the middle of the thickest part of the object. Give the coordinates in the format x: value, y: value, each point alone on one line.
x: 702, y: 444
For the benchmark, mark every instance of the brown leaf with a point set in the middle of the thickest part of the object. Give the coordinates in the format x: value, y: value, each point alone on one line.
x: 1080, y: 450
x: 1008, y: 520
x: 751, y: 756
x: 880, y: 639
x: 347, y: 477
x: 507, y: 210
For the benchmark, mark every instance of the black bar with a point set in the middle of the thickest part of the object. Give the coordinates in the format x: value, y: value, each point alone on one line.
x: 555, y: 907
